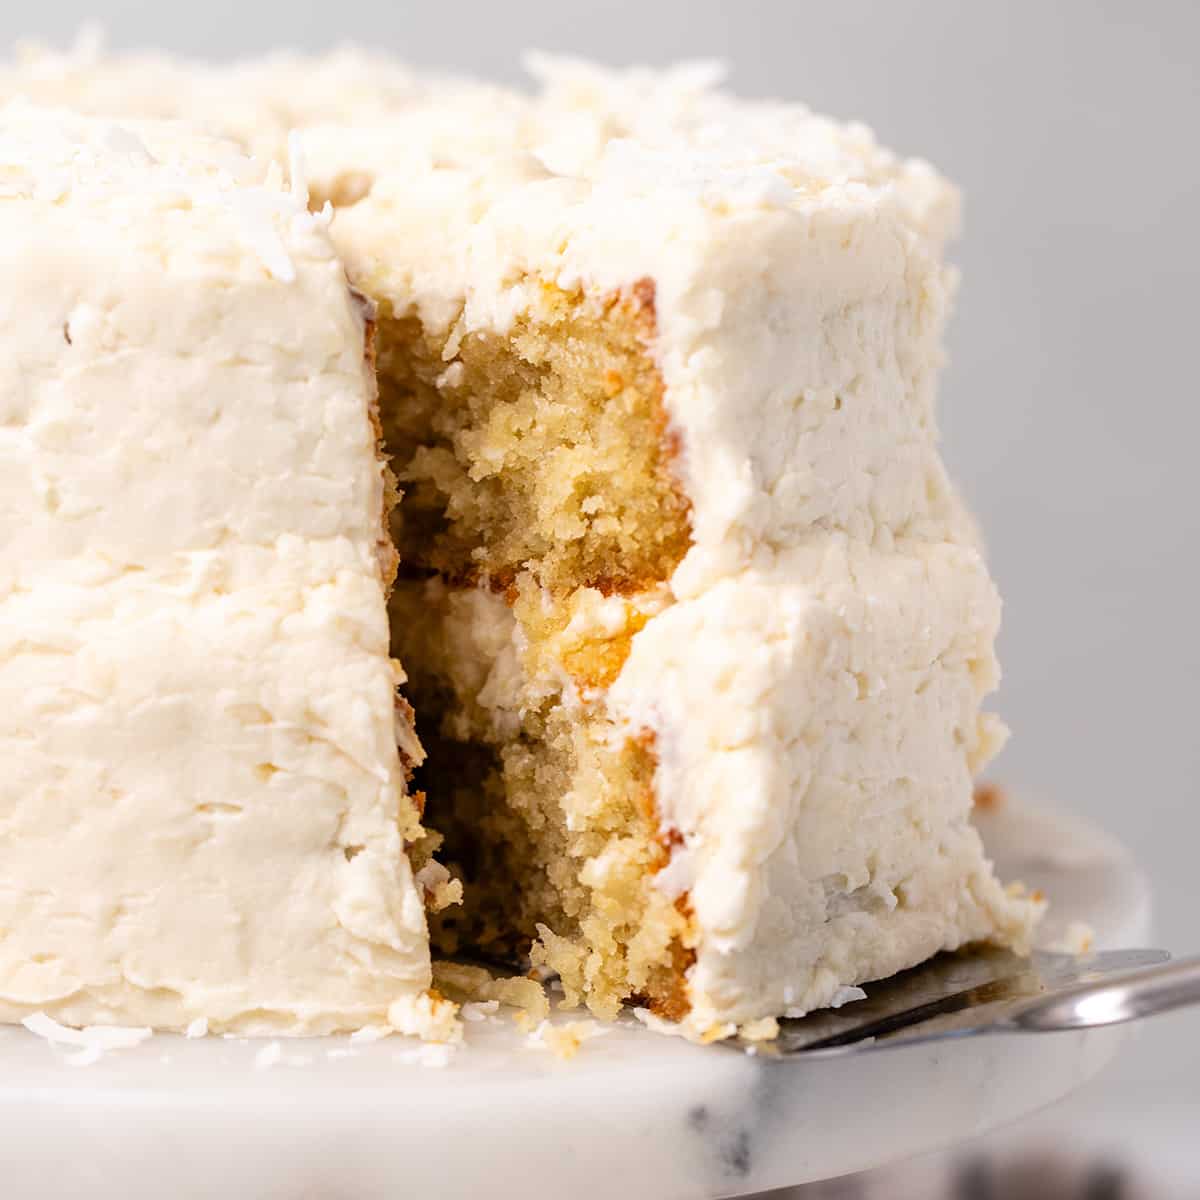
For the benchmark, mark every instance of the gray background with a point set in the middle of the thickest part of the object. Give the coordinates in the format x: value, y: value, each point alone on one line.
x: 1070, y: 410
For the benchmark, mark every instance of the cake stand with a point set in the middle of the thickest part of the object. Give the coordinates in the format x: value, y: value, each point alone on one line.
x: 633, y: 1114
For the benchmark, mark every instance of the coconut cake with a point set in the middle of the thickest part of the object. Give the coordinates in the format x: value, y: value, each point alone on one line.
x: 696, y: 627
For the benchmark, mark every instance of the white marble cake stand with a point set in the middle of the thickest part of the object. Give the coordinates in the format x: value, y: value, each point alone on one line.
x: 634, y: 1114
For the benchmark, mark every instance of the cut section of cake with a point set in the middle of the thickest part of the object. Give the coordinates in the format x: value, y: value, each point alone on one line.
x: 696, y: 628
x: 203, y: 809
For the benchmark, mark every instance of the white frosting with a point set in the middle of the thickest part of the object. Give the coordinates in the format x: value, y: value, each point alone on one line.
x: 202, y: 811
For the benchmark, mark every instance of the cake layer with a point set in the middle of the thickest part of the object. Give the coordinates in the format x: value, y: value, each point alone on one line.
x: 547, y: 803
x: 203, y: 809
x: 792, y: 270
x: 544, y: 451
x: 813, y: 732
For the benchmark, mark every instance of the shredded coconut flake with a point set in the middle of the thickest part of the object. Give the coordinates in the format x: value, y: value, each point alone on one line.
x: 846, y: 995
x: 563, y: 1041
x: 431, y: 1054
x: 98, y: 1037
x: 370, y: 1033
x: 261, y: 235
x: 197, y: 1028
x: 268, y: 1056
x: 678, y: 876
x: 121, y: 140
x: 479, y: 1010
x: 452, y: 376
x: 85, y: 1057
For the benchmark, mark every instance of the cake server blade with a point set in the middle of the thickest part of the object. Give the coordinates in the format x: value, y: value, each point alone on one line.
x: 983, y: 990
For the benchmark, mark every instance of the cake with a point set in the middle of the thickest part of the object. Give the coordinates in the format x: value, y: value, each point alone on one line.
x: 203, y: 811
x: 696, y: 628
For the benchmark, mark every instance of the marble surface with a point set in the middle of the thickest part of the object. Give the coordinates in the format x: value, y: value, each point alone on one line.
x: 633, y: 1114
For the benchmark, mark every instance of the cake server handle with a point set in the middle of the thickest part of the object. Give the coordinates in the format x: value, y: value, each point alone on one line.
x: 1112, y: 1001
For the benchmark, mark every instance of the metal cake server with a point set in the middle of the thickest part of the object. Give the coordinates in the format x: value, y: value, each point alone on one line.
x: 986, y: 990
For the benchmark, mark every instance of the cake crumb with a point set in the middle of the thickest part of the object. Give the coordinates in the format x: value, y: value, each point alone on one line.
x: 371, y: 1033
x: 429, y: 1016
x: 1078, y: 939
x: 714, y: 1033
x: 763, y: 1030
x: 479, y: 1010
x: 440, y: 890
x: 563, y: 1041
x: 989, y: 797
x: 478, y: 984
x: 268, y: 1056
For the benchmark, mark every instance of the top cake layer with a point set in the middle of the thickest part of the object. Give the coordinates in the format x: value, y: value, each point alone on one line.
x: 203, y: 805
x: 791, y: 268
x: 794, y: 266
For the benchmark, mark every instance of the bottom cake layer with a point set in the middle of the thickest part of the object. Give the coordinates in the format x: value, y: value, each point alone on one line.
x: 545, y: 803
x: 729, y: 806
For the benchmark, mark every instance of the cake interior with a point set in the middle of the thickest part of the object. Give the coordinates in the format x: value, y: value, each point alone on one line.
x: 539, y: 522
